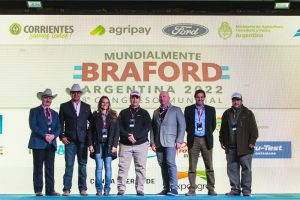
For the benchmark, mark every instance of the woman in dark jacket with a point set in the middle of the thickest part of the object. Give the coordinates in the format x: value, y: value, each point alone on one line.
x: 103, y: 137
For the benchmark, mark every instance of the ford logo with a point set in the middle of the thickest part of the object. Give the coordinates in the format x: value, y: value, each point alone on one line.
x: 185, y: 30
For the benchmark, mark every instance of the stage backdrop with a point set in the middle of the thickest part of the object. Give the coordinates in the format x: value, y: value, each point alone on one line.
x: 257, y: 56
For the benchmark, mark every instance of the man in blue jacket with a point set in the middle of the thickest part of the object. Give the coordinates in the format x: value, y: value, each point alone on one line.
x: 45, y: 128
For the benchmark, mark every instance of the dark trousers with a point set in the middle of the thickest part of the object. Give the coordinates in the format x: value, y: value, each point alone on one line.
x: 41, y: 156
x: 71, y: 150
x: 166, y: 159
x: 200, y: 146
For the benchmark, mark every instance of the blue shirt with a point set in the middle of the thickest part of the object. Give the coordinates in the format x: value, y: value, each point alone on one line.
x: 197, y: 121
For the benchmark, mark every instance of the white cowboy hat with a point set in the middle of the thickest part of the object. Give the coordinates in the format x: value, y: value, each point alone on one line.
x: 75, y: 88
x: 47, y: 92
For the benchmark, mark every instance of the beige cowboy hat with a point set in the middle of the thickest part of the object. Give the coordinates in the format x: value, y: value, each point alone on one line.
x: 75, y: 88
x: 47, y: 92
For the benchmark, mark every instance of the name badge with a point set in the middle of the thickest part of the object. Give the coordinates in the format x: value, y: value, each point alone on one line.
x: 199, y: 127
x: 234, y: 127
x: 104, y: 133
x: 131, y: 123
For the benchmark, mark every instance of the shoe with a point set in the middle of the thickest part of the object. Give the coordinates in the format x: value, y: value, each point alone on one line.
x: 66, y: 193
x: 190, y: 193
x: 140, y: 193
x: 106, y: 192
x: 162, y: 193
x: 99, y: 193
x: 212, y: 192
x: 233, y: 193
x: 121, y: 192
x: 172, y: 192
x: 52, y: 194
x: 246, y: 194
x: 83, y: 193
x: 38, y: 194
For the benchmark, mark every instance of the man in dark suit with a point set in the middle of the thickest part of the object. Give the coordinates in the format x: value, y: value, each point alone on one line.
x: 74, y: 116
x: 45, y: 128
x: 200, y: 124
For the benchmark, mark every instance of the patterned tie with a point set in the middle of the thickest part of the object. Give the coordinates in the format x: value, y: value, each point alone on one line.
x: 48, y: 115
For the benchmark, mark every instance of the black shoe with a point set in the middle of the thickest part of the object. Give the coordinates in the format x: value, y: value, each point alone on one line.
x: 121, y: 192
x: 38, y: 194
x: 172, y: 193
x: 162, y: 193
x: 140, y: 193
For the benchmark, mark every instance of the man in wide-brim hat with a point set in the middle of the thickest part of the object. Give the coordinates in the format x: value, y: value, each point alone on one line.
x: 74, y: 116
x: 45, y: 128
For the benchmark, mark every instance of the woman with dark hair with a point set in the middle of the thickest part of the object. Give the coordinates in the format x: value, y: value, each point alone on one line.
x: 103, y: 138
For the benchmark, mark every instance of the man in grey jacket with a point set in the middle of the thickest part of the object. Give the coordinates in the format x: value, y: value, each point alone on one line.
x: 168, y: 128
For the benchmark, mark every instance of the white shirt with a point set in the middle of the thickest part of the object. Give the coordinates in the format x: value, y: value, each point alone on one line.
x: 77, y: 107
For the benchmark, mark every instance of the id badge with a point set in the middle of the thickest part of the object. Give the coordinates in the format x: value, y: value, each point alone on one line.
x: 131, y: 123
x: 234, y: 127
x: 199, y: 127
x: 104, y: 133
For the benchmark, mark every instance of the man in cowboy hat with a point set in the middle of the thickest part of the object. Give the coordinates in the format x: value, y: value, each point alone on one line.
x: 45, y: 128
x: 74, y: 116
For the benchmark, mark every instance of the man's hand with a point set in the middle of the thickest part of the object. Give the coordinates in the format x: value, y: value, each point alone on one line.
x: 65, y: 140
x: 91, y: 149
x: 251, y: 146
x: 131, y: 138
x: 114, y: 149
x: 153, y: 147
x: 178, y: 145
x: 222, y: 146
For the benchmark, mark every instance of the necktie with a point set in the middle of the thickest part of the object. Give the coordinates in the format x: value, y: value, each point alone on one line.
x: 48, y: 115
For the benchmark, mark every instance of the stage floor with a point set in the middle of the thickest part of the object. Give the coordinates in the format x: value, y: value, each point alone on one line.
x: 152, y: 197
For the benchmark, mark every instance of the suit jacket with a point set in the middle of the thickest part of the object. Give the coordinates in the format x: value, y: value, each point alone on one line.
x: 95, y: 130
x: 73, y: 127
x: 171, y: 130
x: 210, y: 124
x: 38, y: 123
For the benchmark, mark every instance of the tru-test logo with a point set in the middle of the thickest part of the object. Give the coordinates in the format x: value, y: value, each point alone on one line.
x: 166, y: 71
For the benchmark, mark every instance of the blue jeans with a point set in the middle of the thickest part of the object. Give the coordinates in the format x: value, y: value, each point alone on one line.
x: 166, y: 161
x: 100, y: 159
x: 72, y: 149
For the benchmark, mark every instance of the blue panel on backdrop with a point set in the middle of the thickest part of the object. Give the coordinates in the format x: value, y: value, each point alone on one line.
x: 273, y: 149
x: 1, y: 118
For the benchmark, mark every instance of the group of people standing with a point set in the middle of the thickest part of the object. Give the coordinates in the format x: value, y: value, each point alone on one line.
x: 104, y: 134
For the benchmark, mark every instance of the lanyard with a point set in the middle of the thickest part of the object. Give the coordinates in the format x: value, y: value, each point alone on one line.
x: 133, y: 113
x: 104, y: 119
x: 200, y: 112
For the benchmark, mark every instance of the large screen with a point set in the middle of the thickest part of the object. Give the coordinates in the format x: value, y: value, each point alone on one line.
x: 257, y: 56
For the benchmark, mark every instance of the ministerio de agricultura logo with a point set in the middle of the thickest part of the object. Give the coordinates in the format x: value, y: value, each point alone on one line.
x: 225, y: 30
x: 15, y: 29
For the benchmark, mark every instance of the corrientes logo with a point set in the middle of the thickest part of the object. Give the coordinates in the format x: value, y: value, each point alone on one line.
x: 185, y: 30
x: 15, y: 29
x: 36, y: 31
